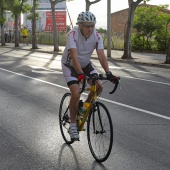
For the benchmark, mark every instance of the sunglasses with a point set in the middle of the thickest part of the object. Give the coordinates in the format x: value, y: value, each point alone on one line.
x: 89, y: 26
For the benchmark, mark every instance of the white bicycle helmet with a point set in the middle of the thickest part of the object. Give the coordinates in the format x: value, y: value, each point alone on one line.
x: 86, y: 17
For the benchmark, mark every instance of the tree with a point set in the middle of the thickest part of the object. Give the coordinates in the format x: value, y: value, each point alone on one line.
x: 127, y: 37
x: 34, y: 38
x: 167, y: 61
x: 3, y: 7
x: 101, y: 30
x: 53, y: 3
x: 68, y: 28
x: 150, y: 27
x: 88, y: 3
x: 17, y: 7
x: 55, y: 39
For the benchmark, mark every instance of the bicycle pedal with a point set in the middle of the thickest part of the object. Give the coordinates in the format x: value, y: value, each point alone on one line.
x: 75, y: 139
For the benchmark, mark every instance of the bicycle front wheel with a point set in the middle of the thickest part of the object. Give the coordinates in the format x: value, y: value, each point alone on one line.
x: 64, y: 118
x: 100, y: 132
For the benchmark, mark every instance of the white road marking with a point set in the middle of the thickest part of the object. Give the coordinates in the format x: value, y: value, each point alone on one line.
x: 139, y: 71
x: 107, y: 100
x: 22, y: 75
x: 44, y: 70
x: 47, y: 72
x: 124, y: 68
x: 138, y: 109
x: 38, y: 67
x: 158, y: 82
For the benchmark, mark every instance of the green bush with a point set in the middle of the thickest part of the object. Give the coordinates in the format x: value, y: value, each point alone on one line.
x: 161, y: 40
x: 137, y: 42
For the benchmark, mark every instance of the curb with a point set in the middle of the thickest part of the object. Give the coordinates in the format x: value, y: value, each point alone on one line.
x: 161, y: 65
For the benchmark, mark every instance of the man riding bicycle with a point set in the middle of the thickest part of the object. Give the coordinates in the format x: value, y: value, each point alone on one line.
x: 81, y: 42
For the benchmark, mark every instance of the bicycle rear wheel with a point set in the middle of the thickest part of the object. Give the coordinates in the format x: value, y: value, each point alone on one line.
x: 64, y: 118
x: 100, y: 132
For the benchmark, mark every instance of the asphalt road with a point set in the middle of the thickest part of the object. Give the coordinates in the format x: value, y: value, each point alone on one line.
x: 31, y: 87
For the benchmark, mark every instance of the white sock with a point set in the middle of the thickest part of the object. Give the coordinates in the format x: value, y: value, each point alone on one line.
x: 72, y: 124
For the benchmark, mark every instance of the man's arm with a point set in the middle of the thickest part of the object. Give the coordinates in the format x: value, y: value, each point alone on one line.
x: 74, y: 57
x: 103, y: 60
x: 104, y: 64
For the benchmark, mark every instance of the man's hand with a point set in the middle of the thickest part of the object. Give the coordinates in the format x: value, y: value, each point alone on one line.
x: 80, y: 77
x: 111, y: 77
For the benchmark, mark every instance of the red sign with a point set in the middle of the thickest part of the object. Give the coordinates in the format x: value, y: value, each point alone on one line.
x: 60, y: 17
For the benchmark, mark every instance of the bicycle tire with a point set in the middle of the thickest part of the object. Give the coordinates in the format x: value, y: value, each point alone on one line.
x: 100, y: 132
x: 64, y: 118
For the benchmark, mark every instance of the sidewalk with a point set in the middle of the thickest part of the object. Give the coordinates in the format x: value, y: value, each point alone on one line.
x: 150, y: 59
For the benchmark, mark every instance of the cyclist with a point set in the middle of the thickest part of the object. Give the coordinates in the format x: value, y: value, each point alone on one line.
x: 81, y: 42
x: 24, y: 35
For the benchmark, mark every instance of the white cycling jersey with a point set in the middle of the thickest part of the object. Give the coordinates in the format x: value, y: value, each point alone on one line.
x: 85, y: 46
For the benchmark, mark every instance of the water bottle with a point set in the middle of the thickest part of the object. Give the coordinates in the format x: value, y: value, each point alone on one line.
x: 84, y: 108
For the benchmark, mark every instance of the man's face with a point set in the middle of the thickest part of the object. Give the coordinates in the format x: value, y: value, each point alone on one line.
x: 87, y: 28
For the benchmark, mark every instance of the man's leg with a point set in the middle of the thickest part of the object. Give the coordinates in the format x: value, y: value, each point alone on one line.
x: 74, y: 101
x: 26, y: 41
x: 72, y: 82
x: 23, y: 40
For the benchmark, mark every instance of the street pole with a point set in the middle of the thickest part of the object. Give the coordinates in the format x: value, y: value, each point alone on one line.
x: 108, y: 28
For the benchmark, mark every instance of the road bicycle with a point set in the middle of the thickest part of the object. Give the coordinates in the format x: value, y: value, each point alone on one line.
x: 97, y: 116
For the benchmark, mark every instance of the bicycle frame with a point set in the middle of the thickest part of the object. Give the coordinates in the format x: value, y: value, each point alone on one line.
x: 81, y: 121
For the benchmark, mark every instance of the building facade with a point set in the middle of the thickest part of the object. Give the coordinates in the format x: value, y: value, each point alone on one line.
x: 118, y: 21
